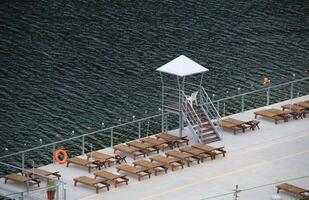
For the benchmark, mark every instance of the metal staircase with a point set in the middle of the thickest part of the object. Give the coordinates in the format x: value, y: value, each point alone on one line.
x: 202, y: 118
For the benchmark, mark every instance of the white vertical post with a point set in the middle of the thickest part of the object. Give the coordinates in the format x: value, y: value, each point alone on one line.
x: 23, y: 160
x: 112, y: 139
x: 139, y: 130
x: 54, y: 149
x: 267, y: 96
x: 242, y: 103
x: 83, y: 145
x: 292, y: 90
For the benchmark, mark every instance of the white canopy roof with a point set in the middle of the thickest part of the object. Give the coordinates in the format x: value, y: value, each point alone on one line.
x: 182, y: 66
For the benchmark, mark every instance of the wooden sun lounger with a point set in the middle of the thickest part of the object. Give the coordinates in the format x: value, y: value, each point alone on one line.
x: 116, y: 179
x: 187, y: 157
x: 84, y: 163
x: 101, y: 157
x: 168, y: 162
x: 98, y: 184
x: 42, y: 173
x: 292, y: 189
x: 303, y: 104
x: 22, y: 179
x: 160, y: 144
x: 155, y: 167
x: 144, y: 147
x: 274, y: 114
x: 196, y: 152
x: 232, y: 126
x: 139, y: 172
x: 129, y: 150
x: 296, y: 110
x: 175, y: 140
x: 212, y: 151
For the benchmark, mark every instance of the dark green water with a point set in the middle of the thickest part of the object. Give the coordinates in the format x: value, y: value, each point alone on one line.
x: 68, y: 65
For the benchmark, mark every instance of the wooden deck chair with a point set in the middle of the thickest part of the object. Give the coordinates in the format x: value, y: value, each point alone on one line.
x: 200, y: 154
x: 97, y: 184
x: 271, y: 115
x: 116, y: 179
x: 155, y: 167
x: 212, y: 151
x: 19, y: 178
x: 139, y: 172
x: 144, y: 147
x: 168, y: 162
x: 173, y: 138
x: 42, y: 173
x: 101, y: 157
x: 160, y: 144
x: 186, y: 157
x: 84, y: 163
x: 133, y: 151
x: 292, y: 189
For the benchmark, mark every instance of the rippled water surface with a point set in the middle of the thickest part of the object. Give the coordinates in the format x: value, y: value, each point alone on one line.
x: 67, y: 65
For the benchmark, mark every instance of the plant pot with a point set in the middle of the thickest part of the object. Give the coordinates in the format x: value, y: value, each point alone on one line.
x: 51, y: 195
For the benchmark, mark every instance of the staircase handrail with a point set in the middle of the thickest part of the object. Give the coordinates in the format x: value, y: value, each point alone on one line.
x: 197, y: 119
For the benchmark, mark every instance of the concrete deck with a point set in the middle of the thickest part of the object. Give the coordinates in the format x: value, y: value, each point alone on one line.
x: 274, y: 153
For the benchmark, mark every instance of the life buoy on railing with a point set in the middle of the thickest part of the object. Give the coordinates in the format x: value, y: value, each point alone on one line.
x: 61, y: 153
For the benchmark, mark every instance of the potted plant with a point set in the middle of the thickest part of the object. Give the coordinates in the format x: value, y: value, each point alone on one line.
x: 51, y: 189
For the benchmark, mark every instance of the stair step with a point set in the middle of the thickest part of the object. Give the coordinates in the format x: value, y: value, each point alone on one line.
x: 206, y: 141
x: 209, y: 135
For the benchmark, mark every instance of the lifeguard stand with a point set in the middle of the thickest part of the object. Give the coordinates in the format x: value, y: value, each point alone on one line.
x: 188, y: 99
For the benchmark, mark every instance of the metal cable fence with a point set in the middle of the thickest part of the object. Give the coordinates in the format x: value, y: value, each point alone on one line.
x: 262, y: 191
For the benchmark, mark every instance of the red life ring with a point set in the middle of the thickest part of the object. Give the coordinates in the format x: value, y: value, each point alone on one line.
x: 63, y: 153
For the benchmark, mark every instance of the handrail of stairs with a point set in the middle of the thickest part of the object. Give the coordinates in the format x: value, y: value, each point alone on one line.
x: 191, y: 115
x: 211, y: 112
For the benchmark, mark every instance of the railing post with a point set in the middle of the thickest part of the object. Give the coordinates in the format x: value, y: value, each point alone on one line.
x: 218, y: 107
x: 139, y: 130
x: 292, y: 90
x: 224, y: 109
x: 242, y: 103
x: 23, y: 160
x: 267, y: 96
x: 64, y: 191
x: 112, y: 139
x: 54, y: 149
x: 83, y: 145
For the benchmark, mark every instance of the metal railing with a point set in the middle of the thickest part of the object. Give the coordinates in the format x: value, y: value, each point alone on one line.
x: 266, y: 90
x: 83, y: 137
x: 34, y: 193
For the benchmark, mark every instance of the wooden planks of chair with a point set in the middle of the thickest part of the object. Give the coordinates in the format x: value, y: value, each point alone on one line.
x: 97, y: 184
x: 168, y: 162
x: 160, y: 144
x: 155, y: 167
x: 183, y: 156
x: 174, y: 140
x: 136, y: 171
x: 101, y: 157
x: 42, y: 173
x: 292, y: 189
x: 84, y: 163
x: 19, y: 178
x: 228, y: 124
x: 116, y: 179
x: 196, y: 152
x: 212, y: 151
x: 144, y: 147
x: 133, y: 151
x: 274, y: 114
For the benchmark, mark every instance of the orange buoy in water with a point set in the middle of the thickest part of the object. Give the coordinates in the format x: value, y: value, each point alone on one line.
x: 266, y: 81
x: 64, y: 156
